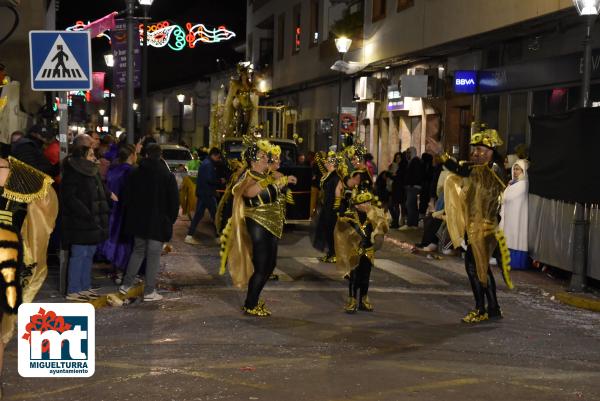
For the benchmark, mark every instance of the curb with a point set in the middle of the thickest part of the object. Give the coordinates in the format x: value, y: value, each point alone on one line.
x: 102, y: 302
x: 576, y: 301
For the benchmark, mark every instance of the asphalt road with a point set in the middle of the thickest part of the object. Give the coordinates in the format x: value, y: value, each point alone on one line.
x: 197, y: 345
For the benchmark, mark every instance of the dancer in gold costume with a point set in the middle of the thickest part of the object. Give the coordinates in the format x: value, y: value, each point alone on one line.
x: 471, y: 196
x: 28, y: 209
x: 249, y: 241
x: 359, y: 232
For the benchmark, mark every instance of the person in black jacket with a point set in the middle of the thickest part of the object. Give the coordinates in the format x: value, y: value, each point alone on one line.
x: 207, y: 184
x: 151, y: 202
x: 413, y: 181
x: 30, y: 150
x: 84, y: 208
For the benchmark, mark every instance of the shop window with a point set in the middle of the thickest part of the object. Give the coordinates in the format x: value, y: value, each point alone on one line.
x: 550, y: 101
x: 404, y: 4
x: 517, y: 127
x: 280, y: 37
x: 314, y: 23
x: 490, y: 110
x: 379, y: 7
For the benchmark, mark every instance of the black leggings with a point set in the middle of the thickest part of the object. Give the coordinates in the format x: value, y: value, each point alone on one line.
x: 480, y: 292
x: 359, y: 278
x: 264, y: 258
x: 329, y: 238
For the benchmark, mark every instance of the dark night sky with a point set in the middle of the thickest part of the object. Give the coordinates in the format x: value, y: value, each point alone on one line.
x: 168, y: 67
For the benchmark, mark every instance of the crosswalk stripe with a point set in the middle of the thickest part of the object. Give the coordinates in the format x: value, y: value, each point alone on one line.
x: 451, y: 267
x: 406, y: 273
x: 283, y: 276
x: 326, y: 269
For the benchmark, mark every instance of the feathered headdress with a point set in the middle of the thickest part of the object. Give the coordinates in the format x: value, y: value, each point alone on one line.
x: 484, y: 136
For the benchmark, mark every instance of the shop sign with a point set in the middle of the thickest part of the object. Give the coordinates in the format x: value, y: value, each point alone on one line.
x: 465, y: 81
x: 348, y: 123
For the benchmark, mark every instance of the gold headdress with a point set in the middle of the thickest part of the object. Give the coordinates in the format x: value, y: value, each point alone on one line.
x: 362, y: 195
x: 483, y: 136
x: 253, y: 146
x: 358, y: 149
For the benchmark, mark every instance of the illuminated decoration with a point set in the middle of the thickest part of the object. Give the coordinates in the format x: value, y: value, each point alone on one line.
x: 200, y: 33
x: 161, y: 34
x: 297, y: 39
x: 80, y: 25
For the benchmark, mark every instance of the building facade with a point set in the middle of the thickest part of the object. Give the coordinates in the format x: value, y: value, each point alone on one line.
x: 523, y: 56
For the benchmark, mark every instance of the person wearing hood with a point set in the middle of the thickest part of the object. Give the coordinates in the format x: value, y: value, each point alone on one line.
x: 514, y: 215
x: 84, y: 209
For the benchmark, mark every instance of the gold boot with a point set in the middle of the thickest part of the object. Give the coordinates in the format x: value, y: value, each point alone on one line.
x: 262, y: 305
x: 351, y: 305
x: 365, y: 304
x: 256, y: 311
x: 475, y: 316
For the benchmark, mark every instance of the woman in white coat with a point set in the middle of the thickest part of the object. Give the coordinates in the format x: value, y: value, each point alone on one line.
x: 514, y: 214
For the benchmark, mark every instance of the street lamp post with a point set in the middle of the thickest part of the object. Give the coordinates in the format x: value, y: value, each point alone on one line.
x: 588, y: 9
x: 109, y: 59
x: 131, y: 36
x: 144, y: 103
x: 101, y: 112
x: 343, y: 45
x: 181, y: 99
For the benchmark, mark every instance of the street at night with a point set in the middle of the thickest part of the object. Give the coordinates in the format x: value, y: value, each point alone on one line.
x: 197, y: 345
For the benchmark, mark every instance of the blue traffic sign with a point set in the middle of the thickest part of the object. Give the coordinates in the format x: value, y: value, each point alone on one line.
x: 60, y: 60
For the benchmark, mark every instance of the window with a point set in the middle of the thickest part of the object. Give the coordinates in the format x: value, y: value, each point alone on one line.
x: 378, y: 10
x: 297, y: 30
x: 314, y: 23
x: 404, y: 4
x: 280, y: 37
x: 265, y: 56
x: 490, y: 110
x: 250, y: 48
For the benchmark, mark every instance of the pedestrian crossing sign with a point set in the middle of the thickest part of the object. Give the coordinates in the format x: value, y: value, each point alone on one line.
x: 60, y: 60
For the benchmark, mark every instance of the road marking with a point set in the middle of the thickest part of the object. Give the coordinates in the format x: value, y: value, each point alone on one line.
x: 406, y: 273
x: 326, y: 269
x: 283, y: 276
x: 451, y: 266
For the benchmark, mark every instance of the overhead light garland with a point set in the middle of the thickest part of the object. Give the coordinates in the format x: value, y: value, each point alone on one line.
x: 163, y: 33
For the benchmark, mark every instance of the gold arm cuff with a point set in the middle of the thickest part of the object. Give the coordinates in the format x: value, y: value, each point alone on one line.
x: 282, y: 181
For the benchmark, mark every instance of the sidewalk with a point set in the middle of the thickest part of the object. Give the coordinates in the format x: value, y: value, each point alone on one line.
x: 554, y: 287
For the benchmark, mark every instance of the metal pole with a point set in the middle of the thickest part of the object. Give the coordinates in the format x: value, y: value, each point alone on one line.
x: 339, y: 111
x: 109, y: 110
x: 131, y: 36
x: 180, y: 122
x: 63, y: 136
x: 144, y: 111
x: 578, y: 278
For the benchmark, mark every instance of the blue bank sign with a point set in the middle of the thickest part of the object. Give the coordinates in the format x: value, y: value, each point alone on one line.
x: 465, y: 81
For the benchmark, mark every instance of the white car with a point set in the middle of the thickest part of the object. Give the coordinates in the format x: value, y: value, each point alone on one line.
x: 175, y: 155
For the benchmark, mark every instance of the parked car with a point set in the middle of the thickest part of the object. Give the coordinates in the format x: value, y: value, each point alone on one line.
x: 176, y: 156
